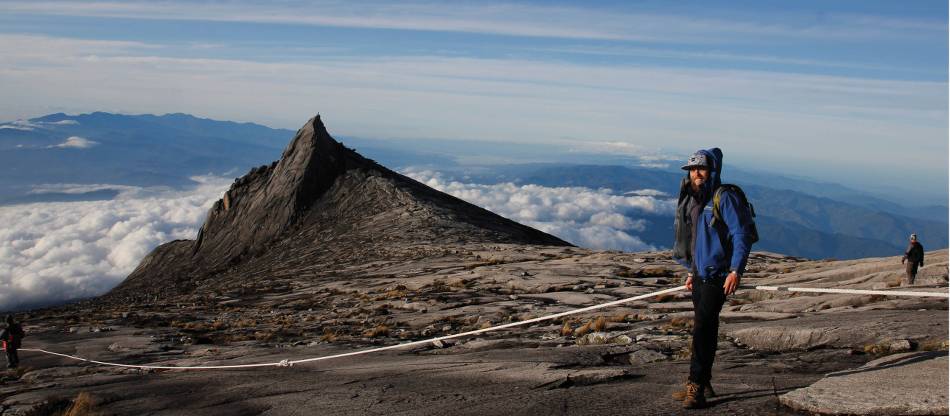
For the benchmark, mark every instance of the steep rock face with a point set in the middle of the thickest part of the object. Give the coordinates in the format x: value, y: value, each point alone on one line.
x: 319, y: 204
x: 262, y: 204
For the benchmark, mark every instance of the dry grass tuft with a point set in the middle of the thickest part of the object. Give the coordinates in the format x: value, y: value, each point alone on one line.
x: 245, y: 323
x: 933, y: 344
x: 459, y: 284
x: 599, y: 324
x: 684, y: 353
x: 681, y: 322
x: 583, y: 329
x: 620, y: 317
x: 877, y: 349
x: 566, y: 330
x: 394, y: 294
x: 83, y: 405
x: 378, y: 331
x: 329, y: 335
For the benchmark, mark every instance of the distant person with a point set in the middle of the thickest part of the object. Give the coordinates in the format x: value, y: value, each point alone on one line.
x: 714, y: 231
x: 12, y: 336
x: 913, y: 258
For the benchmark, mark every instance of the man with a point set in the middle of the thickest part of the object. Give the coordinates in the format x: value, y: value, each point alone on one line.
x: 12, y: 336
x: 715, y: 250
x: 913, y: 257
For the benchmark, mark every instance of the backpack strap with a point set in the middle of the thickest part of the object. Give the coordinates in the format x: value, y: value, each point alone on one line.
x: 717, y: 199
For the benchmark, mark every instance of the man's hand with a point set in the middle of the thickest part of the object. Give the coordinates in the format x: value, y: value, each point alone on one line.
x: 689, y: 281
x: 732, y: 283
x: 903, y: 260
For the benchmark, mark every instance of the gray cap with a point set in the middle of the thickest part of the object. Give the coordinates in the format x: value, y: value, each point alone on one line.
x: 698, y: 160
x: 913, y: 237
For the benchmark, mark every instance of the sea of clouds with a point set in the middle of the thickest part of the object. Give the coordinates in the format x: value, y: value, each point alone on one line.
x: 59, y: 251
x: 54, y: 252
x: 592, y: 218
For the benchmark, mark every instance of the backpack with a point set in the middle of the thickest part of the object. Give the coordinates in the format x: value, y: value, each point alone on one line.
x: 743, y: 201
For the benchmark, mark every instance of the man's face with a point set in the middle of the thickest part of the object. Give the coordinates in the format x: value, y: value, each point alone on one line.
x: 697, y: 177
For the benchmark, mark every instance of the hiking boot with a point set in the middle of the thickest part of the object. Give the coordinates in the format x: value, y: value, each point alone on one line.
x: 695, y: 396
x: 708, y: 392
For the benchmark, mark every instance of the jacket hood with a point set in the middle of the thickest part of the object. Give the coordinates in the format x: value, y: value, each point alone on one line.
x: 715, y: 155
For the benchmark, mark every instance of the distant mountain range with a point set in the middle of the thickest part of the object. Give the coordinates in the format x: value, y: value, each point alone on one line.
x: 141, y: 150
x: 796, y: 216
x: 790, y: 222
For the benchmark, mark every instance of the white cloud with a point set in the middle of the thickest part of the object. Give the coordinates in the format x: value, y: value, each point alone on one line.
x: 53, y: 252
x: 61, y: 123
x: 586, y: 217
x: 76, y: 142
x: 647, y: 192
x: 21, y: 125
x: 75, y: 189
x: 646, y: 156
x: 15, y: 127
x: 505, y: 19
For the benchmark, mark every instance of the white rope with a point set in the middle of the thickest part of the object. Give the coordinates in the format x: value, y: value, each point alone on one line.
x: 289, y: 363
x: 850, y: 291
x: 282, y: 363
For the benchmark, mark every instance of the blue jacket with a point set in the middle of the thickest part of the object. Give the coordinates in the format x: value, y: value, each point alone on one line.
x: 721, y: 246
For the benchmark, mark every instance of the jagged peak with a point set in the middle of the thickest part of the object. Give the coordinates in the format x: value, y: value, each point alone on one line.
x: 259, y: 206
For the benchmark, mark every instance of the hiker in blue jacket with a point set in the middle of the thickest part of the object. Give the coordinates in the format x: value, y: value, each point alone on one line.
x: 714, y: 247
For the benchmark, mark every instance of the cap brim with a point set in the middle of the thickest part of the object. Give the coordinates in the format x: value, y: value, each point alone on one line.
x: 688, y: 167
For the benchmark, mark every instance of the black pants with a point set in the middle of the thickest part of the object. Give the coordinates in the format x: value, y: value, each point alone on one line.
x: 12, y: 359
x: 911, y: 272
x: 708, y: 299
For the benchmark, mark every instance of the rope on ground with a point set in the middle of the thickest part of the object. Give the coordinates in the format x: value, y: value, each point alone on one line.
x: 289, y: 363
x: 943, y: 294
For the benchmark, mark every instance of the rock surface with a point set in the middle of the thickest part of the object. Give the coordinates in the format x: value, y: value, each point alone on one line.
x: 900, y: 384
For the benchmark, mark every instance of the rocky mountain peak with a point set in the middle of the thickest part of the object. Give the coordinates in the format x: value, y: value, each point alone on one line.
x: 262, y: 204
x: 321, y: 202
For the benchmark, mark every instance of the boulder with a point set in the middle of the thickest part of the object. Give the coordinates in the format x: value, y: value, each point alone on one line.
x: 900, y: 384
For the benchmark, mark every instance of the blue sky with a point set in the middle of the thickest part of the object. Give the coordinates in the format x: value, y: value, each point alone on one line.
x: 846, y: 91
